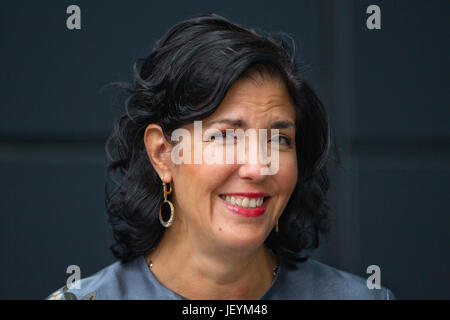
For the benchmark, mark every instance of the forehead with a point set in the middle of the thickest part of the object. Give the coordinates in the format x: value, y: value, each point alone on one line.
x: 258, y: 97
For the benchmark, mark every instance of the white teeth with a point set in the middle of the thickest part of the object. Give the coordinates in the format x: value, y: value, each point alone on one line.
x: 244, y: 201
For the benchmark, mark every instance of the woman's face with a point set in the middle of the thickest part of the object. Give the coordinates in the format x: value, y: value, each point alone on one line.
x: 203, y: 192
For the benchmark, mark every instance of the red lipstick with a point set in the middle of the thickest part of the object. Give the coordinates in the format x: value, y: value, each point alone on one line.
x: 247, y: 212
x: 248, y: 194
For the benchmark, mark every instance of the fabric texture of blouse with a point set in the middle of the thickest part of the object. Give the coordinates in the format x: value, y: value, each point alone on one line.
x: 306, y: 279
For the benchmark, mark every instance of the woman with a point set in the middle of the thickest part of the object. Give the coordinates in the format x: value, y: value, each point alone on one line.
x: 203, y: 229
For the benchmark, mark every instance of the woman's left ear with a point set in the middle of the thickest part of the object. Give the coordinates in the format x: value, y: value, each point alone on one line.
x: 158, y: 151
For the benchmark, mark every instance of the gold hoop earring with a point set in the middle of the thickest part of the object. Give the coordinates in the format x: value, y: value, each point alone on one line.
x: 169, y: 222
x: 276, y: 226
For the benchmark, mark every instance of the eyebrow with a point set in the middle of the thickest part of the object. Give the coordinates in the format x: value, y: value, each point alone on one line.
x: 281, y: 124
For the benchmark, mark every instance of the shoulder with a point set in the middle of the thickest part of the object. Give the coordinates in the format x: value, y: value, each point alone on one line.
x: 108, y: 283
x: 312, y: 279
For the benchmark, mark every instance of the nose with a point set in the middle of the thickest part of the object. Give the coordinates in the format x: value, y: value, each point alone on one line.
x: 252, y: 169
x: 252, y: 172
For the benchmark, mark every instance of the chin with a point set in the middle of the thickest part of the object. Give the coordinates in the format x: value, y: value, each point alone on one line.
x: 244, y: 240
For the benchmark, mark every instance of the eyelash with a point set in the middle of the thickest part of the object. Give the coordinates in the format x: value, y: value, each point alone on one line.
x: 224, y: 136
x: 288, y: 140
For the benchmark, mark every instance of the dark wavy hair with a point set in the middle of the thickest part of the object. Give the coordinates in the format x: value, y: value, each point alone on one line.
x: 185, y: 78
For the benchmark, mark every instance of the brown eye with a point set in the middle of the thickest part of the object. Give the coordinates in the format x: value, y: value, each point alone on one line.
x: 286, y: 140
x: 225, y: 136
x: 283, y: 140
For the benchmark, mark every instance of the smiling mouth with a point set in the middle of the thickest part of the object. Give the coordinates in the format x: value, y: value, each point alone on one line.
x: 244, y: 202
x: 248, y: 205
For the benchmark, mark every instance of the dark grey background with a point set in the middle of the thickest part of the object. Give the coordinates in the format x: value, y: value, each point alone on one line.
x: 387, y: 92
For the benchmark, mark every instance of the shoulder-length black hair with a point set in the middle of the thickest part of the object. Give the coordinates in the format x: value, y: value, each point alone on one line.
x: 185, y: 78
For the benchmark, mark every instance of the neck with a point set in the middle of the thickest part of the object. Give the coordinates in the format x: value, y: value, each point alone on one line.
x: 196, y: 269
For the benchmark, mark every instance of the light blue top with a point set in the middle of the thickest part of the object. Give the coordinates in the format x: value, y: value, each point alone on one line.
x: 309, y: 279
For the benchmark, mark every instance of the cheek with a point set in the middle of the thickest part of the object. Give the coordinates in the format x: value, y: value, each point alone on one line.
x: 198, y: 182
x: 196, y: 194
x: 287, y: 174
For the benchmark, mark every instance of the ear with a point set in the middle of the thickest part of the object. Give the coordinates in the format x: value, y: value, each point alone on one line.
x: 158, y: 151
